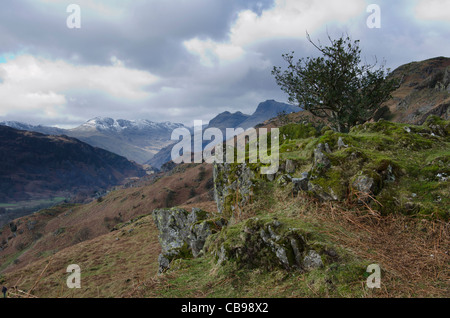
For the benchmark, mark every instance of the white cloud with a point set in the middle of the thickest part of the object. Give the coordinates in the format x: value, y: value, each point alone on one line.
x: 28, y: 83
x: 210, y: 51
x: 435, y: 10
x: 291, y: 18
x: 287, y: 19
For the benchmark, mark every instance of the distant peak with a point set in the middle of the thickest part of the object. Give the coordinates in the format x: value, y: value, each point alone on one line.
x: 272, y: 104
x: 100, y: 119
x: 119, y: 125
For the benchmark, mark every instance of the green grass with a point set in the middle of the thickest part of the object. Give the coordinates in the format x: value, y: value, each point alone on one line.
x: 201, y: 277
x: 416, y: 157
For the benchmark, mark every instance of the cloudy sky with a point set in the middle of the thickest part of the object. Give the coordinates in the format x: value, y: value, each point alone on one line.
x: 180, y: 60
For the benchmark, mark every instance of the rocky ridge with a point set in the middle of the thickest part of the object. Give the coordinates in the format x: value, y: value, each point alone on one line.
x: 393, y: 168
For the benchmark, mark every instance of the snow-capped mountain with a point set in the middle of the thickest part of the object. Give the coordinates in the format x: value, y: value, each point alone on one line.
x: 122, y: 125
x: 137, y: 140
x: 140, y: 140
x: 40, y: 129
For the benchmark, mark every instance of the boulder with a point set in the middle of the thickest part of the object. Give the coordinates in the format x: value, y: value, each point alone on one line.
x: 312, y: 260
x: 364, y: 184
x: 300, y: 184
x: 265, y: 244
x: 183, y: 234
x: 321, y: 161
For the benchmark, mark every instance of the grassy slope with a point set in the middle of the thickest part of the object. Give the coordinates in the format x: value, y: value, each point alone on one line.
x: 412, y: 252
x: 52, y: 230
x: 123, y: 263
x: 111, y: 264
x: 416, y: 158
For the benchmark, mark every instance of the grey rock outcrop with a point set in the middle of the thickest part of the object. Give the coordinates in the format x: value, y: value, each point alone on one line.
x: 312, y: 260
x: 229, y: 179
x: 321, y: 161
x: 183, y: 234
x: 364, y: 184
x: 300, y: 184
x: 267, y: 244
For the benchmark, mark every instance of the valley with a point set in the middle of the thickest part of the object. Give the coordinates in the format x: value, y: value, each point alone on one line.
x: 116, y: 242
x: 377, y: 195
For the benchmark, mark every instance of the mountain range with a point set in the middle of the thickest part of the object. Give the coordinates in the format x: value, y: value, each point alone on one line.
x: 137, y: 140
x: 265, y: 110
x: 142, y: 140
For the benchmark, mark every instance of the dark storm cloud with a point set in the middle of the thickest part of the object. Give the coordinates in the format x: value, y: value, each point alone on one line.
x: 150, y: 36
x: 147, y: 34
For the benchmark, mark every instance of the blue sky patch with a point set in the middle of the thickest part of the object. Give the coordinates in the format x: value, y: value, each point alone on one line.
x: 5, y: 57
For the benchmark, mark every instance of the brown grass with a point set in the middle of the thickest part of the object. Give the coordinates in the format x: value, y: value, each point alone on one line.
x: 412, y: 253
x: 111, y: 265
x: 92, y: 220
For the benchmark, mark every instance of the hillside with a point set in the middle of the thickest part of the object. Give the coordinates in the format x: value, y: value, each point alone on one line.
x: 33, y: 237
x: 36, y: 166
x: 337, y: 233
x: 424, y: 91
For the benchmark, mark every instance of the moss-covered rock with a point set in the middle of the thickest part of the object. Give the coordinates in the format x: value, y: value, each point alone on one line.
x: 403, y: 168
x: 183, y: 234
x: 233, y: 186
x: 438, y: 126
x: 264, y: 243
